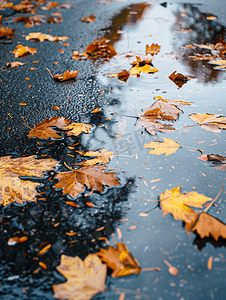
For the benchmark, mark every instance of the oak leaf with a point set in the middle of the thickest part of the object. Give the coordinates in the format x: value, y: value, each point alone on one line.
x: 153, y: 49
x: 15, y: 64
x: 209, y: 122
x: 44, y: 129
x: 123, y: 76
x: 14, y: 189
x: 66, y: 75
x: 167, y: 147
x: 85, y: 278
x: 89, y: 19
x: 41, y: 37
x: 6, y: 32
x: 72, y: 182
x: 176, y: 203
x: 205, y: 225
x: 102, y: 157
x: 77, y: 128
x: 178, y: 79
x: 120, y: 260
x: 21, y: 50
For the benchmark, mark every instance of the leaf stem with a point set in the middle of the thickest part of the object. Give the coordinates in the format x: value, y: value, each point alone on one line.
x: 49, y: 72
x: 207, y: 208
x: 26, y: 123
x: 137, y: 117
x: 68, y: 167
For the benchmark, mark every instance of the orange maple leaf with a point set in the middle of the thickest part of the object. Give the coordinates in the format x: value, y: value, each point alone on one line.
x: 21, y: 50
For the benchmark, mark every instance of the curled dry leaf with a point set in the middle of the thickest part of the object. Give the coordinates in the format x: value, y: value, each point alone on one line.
x: 176, y: 203
x: 23, y: 6
x: 14, y: 189
x: 205, y: 225
x: 120, y: 260
x: 66, y: 75
x: 220, y: 62
x: 77, y: 128
x: 178, y: 79
x: 89, y: 19
x: 209, y: 122
x: 85, y: 278
x: 44, y: 129
x: 72, y: 182
x: 102, y: 157
x: 153, y: 49
x: 15, y: 64
x: 6, y: 32
x: 21, y: 50
x: 41, y: 37
x: 123, y: 76
x: 202, y: 57
x: 167, y: 147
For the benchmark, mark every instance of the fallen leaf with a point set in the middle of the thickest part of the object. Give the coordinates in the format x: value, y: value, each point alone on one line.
x: 123, y: 76
x: 54, y: 20
x: 44, y: 131
x: 50, y: 5
x: 220, y: 62
x: 6, y: 32
x: 77, y: 128
x: 85, y: 278
x: 218, y: 162
x: 15, y: 64
x: 102, y: 157
x: 152, y: 126
x: 66, y: 6
x: 41, y: 37
x: 119, y: 260
x: 178, y: 79
x: 23, y: 6
x: 100, y: 48
x: 202, y: 57
x: 153, y: 49
x: 209, y: 122
x: 176, y: 203
x: 72, y: 182
x: 167, y: 147
x: 21, y: 50
x: 205, y: 225
x: 14, y: 189
x: 136, y: 70
x: 66, y: 75
x: 30, y: 21
x: 89, y: 19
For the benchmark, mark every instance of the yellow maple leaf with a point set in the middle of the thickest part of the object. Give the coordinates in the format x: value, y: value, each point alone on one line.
x: 84, y: 279
x: 176, y: 203
x: 136, y: 70
x: 102, y: 157
x: 77, y: 128
x: 209, y: 122
x: 14, y: 189
x: 167, y: 147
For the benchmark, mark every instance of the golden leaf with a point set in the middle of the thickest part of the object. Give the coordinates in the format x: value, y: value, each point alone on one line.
x: 41, y: 37
x: 120, y: 260
x: 50, y: 5
x: 21, y: 50
x: 136, y: 70
x: 220, y: 62
x: 89, y: 19
x: 6, y: 31
x: 14, y: 189
x: 102, y: 157
x: 72, y: 182
x: 44, y: 131
x: 84, y: 279
x: 77, y: 128
x: 209, y: 122
x: 66, y: 75
x: 167, y: 147
x: 15, y: 64
x: 172, y: 201
x: 153, y: 49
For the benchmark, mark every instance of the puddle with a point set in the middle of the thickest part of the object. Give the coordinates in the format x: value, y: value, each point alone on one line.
x: 151, y: 238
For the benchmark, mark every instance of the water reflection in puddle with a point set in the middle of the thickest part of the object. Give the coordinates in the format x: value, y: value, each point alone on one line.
x: 153, y: 237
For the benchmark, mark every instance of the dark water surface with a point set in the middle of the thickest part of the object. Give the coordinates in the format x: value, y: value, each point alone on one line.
x: 153, y: 238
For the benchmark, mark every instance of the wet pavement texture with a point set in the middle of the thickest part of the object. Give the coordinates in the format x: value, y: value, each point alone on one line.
x: 129, y: 25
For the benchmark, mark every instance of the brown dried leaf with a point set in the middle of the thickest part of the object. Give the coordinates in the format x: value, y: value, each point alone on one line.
x: 54, y: 20
x: 220, y: 62
x: 209, y: 122
x: 15, y: 64
x: 41, y: 37
x: 21, y: 50
x: 153, y: 49
x: 219, y: 162
x: 120, y: 260
x: 172, y: 201
x: 50, y: 5
x: 100, y: 48
x: 178, y: 79
x: 123, y: 76
x: 66, y: 75
x: 84, y: 279
x: 44, y: 131
x: 30, y: 21
x: 152, y: 126
x: 77, y: 128
x: 14, y: 189
x: 72, y: 182
x: 89, y: 19
x: 23, y: 6
x: 6, y: 32
x: 205, y: 225
x: 202, y: 56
